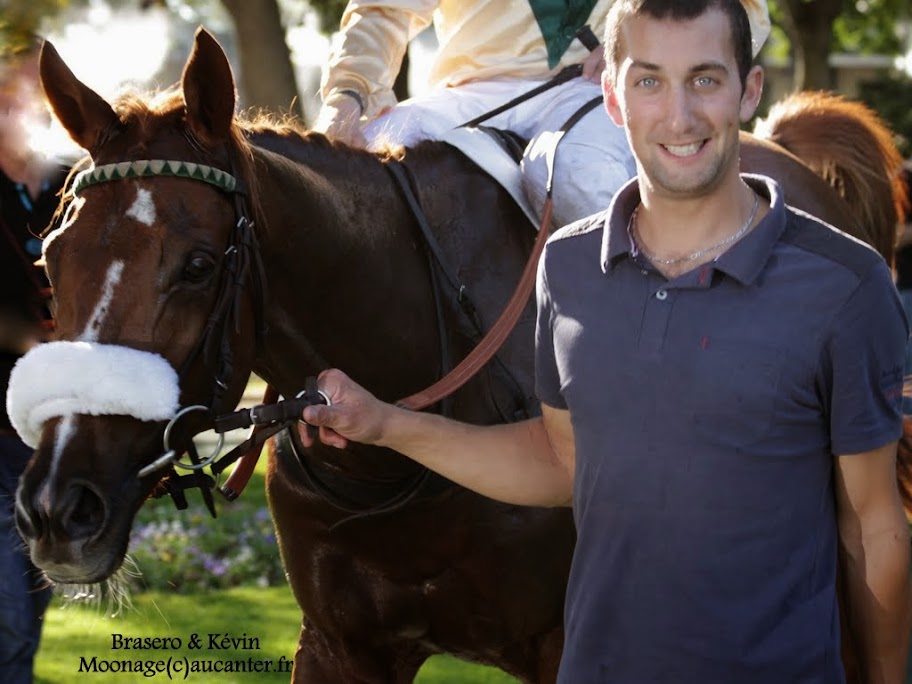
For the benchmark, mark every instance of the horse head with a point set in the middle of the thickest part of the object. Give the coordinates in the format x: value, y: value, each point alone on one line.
x: 151, y: 267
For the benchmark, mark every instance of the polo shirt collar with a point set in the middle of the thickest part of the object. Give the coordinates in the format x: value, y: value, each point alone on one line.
x: 746, y: 258
x: 616, y: 239
x: 743, y: 261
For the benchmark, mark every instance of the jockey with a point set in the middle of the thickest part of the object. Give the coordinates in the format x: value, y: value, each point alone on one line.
x: 490, y: 51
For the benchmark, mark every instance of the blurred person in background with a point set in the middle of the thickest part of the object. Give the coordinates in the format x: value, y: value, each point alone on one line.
x: 29, y: 185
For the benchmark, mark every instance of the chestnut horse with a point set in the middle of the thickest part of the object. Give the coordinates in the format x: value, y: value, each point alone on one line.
x: 389, y: 564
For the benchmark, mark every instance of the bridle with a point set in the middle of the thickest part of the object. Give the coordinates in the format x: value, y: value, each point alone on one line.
x: 241, y: 262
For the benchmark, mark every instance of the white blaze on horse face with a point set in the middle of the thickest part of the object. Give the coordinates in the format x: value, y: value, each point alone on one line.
x: 112, y: 279
x: 143, y: 209
x: 65, y: 429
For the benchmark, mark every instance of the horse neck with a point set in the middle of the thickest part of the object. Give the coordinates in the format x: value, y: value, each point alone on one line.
x: 347, y: 286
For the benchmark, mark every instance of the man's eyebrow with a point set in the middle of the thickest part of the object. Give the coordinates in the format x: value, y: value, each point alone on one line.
x: 708, y: 66
x: 646, y: 66
x: 695, y: 69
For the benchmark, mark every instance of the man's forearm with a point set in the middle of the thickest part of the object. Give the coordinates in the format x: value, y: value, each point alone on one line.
x: 514, y: 463
x: 880, y: 602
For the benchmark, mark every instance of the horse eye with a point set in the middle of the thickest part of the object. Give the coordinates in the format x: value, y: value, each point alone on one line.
x: 198, y: 268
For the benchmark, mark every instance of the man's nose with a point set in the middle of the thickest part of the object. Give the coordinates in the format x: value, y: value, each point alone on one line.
x: 681, y: 109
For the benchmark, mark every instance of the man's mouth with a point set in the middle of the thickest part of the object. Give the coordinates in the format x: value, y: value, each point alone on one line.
x: 684, y: 150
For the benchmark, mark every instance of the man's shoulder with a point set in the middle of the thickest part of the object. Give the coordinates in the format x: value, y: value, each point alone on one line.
x: 584, y: 226
x: 811, y: 235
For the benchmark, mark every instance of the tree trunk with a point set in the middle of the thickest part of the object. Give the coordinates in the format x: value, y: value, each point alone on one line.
x: 809, y: 25
x: 267, y: 78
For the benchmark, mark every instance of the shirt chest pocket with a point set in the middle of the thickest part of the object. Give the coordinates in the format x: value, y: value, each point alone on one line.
x: 732, y: 391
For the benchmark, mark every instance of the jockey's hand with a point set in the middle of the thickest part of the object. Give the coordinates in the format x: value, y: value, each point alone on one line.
x: 340, y: 119
x: 594, y: 65
x: 354, y: 414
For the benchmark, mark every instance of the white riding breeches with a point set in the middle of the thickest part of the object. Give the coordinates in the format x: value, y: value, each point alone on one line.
x: 593, y: 159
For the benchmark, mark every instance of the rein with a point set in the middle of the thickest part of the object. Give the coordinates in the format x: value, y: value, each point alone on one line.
x: 242, y: 262
x: 486, y: 349
x: 492, y: 341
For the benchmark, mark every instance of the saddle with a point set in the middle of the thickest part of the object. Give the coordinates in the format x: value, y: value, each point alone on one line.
x: 498, y: 153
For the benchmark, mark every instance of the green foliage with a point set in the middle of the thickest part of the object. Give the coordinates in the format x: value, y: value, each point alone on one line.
x: 330, y: 13
x: 869, y: 26
x: 863, y: 26
x: 188, y: 551
x: 20, y: 20
x: 890, y: 97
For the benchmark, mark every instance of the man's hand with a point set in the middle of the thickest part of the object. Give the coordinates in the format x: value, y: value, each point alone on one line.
x: 529, y: 463
x: 594, y: 65
x: 340, y: 119
x: 354, y: 414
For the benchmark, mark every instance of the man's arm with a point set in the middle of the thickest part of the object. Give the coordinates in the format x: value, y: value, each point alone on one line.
x: 875, y: 540
x: 527, y: 463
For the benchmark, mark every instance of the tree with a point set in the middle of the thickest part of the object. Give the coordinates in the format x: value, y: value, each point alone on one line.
x: 267, y: 76
x: 19, y: 21
x: 817, y: 28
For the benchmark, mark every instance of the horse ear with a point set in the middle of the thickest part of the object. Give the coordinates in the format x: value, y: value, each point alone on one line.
x: 83, y: 113
x: 208, y: 87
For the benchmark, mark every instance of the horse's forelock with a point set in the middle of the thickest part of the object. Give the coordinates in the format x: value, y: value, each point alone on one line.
x: 242, y: 154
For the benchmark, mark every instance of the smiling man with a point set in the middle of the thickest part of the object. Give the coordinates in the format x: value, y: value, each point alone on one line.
x: 715, y: 403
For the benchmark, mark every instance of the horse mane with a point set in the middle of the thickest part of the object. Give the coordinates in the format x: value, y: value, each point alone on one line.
x: 288, y: 127
x: 839, y: 139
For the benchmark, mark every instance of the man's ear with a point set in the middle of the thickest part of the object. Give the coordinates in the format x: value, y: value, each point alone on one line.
x: 753, y: 90
x: 612, y: 106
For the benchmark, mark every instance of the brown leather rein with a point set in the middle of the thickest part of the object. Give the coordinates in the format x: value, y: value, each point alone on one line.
x: 483, y: 352
x: 480, y: 355
x: 494, y: 338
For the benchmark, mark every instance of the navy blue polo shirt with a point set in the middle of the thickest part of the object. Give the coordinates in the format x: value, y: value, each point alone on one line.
x: 707, y: 411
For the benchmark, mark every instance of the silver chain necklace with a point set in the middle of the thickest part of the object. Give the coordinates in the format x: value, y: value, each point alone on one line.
x: 734, y: 237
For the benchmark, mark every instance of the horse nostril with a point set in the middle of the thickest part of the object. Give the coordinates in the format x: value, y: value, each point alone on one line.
x: 83, y: 512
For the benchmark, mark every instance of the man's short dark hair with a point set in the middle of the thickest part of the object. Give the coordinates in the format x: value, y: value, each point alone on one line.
x: 676, y: 10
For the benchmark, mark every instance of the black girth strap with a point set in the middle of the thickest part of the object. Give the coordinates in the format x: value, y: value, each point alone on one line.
x: 472, y: 326
x: 405, y: 183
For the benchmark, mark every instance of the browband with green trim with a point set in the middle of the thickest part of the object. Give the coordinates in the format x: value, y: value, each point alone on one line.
x: 154, y: 167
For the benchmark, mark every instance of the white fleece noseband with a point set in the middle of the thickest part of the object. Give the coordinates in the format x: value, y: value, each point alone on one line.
x: 63, y: 378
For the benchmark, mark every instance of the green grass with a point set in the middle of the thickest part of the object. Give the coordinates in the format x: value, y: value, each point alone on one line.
x: 76, y: 631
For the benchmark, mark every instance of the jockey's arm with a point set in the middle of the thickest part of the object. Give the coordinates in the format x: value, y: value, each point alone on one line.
x: 366, y: 57
x: 526, y: 463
